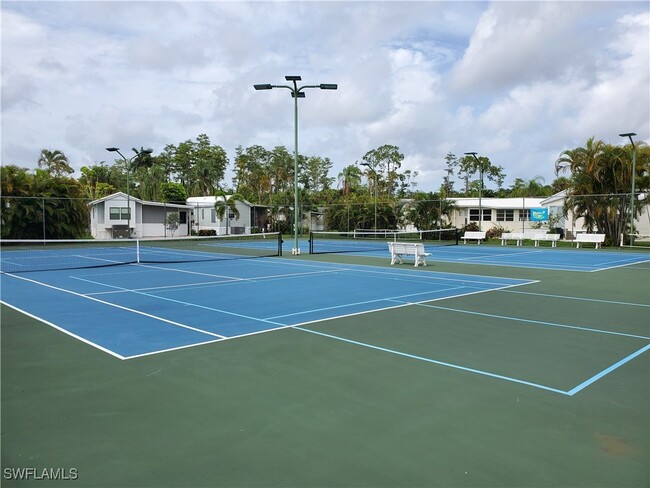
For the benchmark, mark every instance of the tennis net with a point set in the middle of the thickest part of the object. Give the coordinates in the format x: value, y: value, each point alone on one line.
x: 369, y: 240
x: 18, y: 256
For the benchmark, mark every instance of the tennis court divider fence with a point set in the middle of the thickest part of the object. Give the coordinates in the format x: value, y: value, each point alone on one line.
x: 360, y: 240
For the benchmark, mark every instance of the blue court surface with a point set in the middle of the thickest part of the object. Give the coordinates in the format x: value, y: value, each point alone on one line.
x: 564, y: 259
x: 135, y: 310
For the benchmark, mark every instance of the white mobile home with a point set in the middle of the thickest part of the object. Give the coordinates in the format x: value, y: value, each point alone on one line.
x: 121, y: 216
x: 512, y: 214
x: 204, y: 216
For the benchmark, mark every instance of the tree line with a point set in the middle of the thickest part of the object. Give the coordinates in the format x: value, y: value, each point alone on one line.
x: 374, y: 188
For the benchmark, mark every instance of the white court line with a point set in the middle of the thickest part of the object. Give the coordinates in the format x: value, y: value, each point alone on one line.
x: 138, y: 312
x: 498, y: 255
x: 65, y: 331
x: 530, y: 321
x: 187, y: 304
x: 327, y: 266
x: 365, y: 302
x: 622, y: 265
x: 207, y: 284
x: 352, y: 314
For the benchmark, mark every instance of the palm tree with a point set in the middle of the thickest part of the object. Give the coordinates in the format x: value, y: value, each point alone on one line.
x: 55, y: 162
x: 600, y: 178
x: 225, y: 204
x: 532, y: 188
x: 349, y: 178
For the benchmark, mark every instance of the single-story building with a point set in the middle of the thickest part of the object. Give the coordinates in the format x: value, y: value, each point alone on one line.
x: 512, y: 214
x: 252, y: 218
x: 120, y: 216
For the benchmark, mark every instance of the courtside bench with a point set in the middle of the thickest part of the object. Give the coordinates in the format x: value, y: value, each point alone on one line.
x: 401, y: 249
x: 535, y: 236
x: 511, y: 236
x: 553, y: 238
x: 470, y: 235
x: 597, y: 239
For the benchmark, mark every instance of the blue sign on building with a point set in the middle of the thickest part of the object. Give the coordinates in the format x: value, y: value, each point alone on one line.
x: 539, y: 214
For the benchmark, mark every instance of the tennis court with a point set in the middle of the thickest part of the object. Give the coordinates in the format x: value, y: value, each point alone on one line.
x: 493, y: 367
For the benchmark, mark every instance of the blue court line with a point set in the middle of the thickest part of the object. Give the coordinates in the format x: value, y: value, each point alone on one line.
x: 435, y: 361
x: 538, y: 322
x: 571, y: 392
x: 606, y: 371
x: 597, y: 300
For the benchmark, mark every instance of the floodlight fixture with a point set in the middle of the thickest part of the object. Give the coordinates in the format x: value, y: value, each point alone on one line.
x: 296, y: 93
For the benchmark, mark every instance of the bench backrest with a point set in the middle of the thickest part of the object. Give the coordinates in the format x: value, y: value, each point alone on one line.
x: 512, y: 235
x: 590, y: 237
x: 473, y: 235
x: 406, y: 247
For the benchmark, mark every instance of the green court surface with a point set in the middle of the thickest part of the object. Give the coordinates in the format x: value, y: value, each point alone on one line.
x: 541, y: 385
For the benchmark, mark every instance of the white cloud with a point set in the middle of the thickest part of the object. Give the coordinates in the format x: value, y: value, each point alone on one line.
x: 516, y: 81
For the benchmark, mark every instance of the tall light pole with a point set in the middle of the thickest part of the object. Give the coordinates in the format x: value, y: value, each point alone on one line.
x: 632, y: 216
x: 128, y: 177
x: 296, y: 92
x: 480, y: 190
x: 374, y: 172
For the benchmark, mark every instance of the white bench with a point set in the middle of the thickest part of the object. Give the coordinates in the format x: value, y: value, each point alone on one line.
x: 469, y: 235
x: 546, y: 237
x: 400, y: 249
x: 597, y: 239
x: 511, y: 236
x: 540, y: 235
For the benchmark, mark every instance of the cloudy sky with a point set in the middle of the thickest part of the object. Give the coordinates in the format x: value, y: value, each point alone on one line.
x: 518, y: 82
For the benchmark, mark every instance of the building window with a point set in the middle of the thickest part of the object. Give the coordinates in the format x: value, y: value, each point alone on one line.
x: 213, y: 216
x: 118, y: 213
x: 505, y: 215
x: 183, y: 218
x: 473, y: 214
x: 524, y: 215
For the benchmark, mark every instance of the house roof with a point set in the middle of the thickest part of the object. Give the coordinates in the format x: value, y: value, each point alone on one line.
x: 559, y: 197
x: 499, y: 203
x: 123, y: 196
x: 209, y: 201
